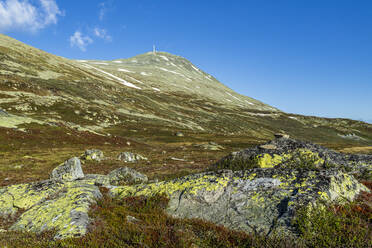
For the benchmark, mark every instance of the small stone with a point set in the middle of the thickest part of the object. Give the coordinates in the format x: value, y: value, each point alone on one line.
x: 179, y: 134
x: 268, y: 147
x: 126, y: 175
x: 128, y: 143
x: 129, y: 157
x: 93, y: 154
x: 132, y: 219
x: 70, y: 170
x: 281, y: 135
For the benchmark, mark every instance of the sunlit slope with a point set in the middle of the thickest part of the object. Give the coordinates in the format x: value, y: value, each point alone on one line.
x: 157, y: 91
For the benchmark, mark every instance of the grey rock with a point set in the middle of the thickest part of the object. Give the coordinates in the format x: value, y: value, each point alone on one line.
x: 68, y: 171
x: 66, y: 211
x: 260, y: 201
x: 126, y: 175
x: 93, y: 154
x: 130, y: 157
x: 132, y: 219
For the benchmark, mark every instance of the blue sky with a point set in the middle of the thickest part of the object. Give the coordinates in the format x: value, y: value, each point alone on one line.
x: 306, y: 57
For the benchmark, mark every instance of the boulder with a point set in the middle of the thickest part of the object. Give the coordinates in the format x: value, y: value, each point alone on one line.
x: 291, y: 153
x: 68, y: 171
x: 129, y: 157
x: 93, y: 154
x: 60, y: 203
x: 66, y: 211
x: 126, y: 175
x: 260, y: 201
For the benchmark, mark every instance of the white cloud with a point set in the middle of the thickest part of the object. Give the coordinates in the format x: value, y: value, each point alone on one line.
x: 102, y: 33
x: 102, y: 10
x: 27, y: 16
x: 80, y: 41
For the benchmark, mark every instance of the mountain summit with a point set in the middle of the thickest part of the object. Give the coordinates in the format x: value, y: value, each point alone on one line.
x: 153, y: 91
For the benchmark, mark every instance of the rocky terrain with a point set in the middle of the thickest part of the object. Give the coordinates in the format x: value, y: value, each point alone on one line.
x: 261, y: 200
x: 158, y: 153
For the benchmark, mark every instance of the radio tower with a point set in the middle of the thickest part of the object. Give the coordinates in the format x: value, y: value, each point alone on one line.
x: 153, y: 49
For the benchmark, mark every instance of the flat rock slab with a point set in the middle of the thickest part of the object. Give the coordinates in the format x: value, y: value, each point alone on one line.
x: 50, y: 204
x: 259, y: 200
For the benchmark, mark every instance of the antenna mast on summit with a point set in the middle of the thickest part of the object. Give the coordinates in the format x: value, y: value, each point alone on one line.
x: 154, y: 49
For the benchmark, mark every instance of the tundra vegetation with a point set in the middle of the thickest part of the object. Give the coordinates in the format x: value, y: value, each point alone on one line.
x: 135, y: 182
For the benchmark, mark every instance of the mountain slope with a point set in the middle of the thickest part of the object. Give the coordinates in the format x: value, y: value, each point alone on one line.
x: 160, y: 91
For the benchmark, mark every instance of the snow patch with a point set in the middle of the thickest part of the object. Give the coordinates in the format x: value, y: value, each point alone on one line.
x: 196, y: 69
x: 117, y: 61
x: 98, y: 63
x: 234, y: 97
x: 81, y: 60
x: 156, y: 89
x: 163, y: 57
x: 292, y: 117
x: 125, y: 70
x: 115, y: 77
x: 249, y: 102
x: 145, y: 74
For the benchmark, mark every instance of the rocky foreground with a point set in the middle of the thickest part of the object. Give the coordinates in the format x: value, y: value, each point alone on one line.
x: 255, y: 190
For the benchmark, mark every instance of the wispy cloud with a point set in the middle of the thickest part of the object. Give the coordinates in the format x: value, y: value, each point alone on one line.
x: 28, y: 16
x: 80, y: 41
x: 102, y: 33
x: 104, y: 7
x: 102, y: 10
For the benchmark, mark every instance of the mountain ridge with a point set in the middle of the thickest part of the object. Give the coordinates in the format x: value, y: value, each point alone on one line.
x: 150, y: 91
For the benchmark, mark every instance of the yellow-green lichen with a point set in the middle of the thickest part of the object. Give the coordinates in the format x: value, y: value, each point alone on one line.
x: 191, y: 186
x: 59, y: 213
x: 268, y: 161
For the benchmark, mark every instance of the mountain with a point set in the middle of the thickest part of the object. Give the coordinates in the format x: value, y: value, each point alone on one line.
x: 149, y: 93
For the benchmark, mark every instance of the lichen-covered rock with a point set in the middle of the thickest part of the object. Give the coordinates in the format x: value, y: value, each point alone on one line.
x: 97, y: 179
x: 129, y: 157
x: 93, y: 154
x: 68, y: 171
x: 259, y: 200
x: 66, y: 211
x: 63, y: 202
x: 126, y: 175
x: 24, y: 196
x: 290, y: 153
